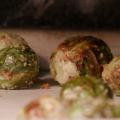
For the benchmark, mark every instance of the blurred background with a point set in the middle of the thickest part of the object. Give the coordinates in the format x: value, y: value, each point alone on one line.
x: 80, y: 14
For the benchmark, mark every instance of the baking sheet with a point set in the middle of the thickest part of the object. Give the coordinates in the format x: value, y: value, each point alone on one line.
x: 44, y: 42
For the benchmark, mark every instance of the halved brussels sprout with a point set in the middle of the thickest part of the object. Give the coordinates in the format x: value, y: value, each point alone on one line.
x: 79, y: 56
x: 111, y: 75
x: 18, y: 62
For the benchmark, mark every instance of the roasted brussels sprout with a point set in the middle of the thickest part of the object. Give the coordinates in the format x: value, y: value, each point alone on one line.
x: 18, y: 62
x: 79, y: 56
x: 50, y: 108
x: 83, y: 88
x: 43, y: 108
x: 111, y: 75
x: 88, y: 97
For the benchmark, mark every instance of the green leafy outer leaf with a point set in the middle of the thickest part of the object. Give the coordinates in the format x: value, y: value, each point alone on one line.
x: 18, y: 63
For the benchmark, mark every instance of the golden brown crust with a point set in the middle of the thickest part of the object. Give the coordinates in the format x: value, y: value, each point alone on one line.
x: 99, y: 47
x: 70, y: 43
x: 86, y: 55
x: 111, y: 74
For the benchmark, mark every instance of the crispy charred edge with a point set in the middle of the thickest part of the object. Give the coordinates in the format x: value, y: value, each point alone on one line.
x: 69, y: 43
x: 97, y: 45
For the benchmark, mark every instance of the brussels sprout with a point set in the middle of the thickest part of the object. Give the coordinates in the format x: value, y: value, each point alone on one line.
x: 111, y: 75
x: 18, y: 62
x: 83, y: 88
x: 43, y: 108
x: 79, y: 56
x: 50, y: 108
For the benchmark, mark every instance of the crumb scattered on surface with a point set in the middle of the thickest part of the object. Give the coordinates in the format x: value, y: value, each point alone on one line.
x: 45, y: 86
